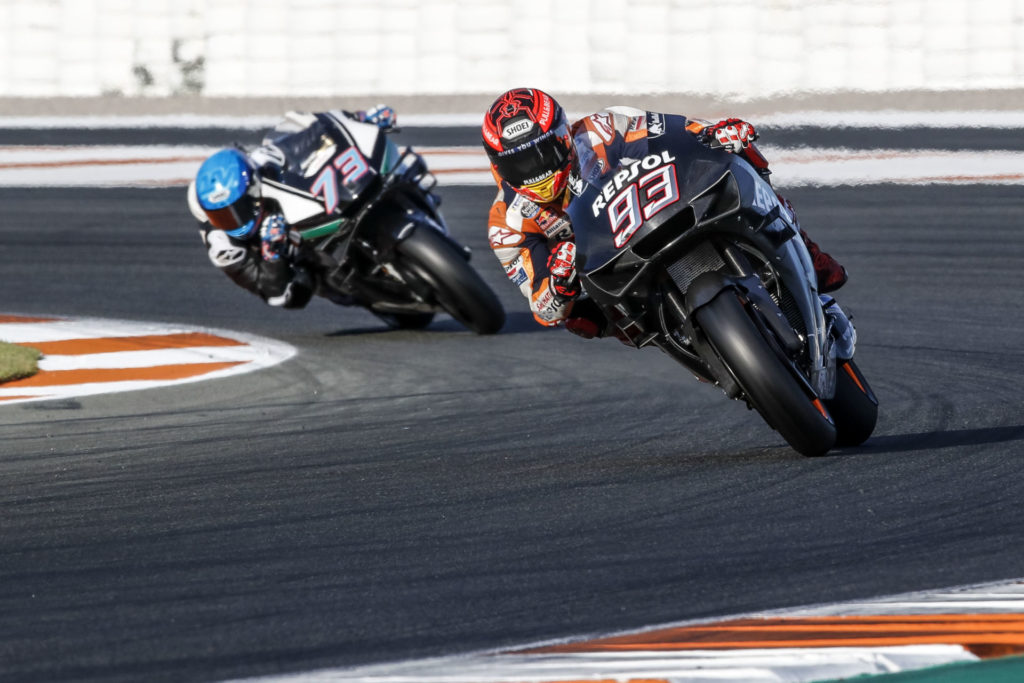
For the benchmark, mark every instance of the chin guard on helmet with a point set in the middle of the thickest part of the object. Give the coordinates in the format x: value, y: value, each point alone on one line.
x: 547, y: 190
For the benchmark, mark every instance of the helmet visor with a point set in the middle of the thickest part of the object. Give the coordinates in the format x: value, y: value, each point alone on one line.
x: 239, y: 218
x: 533, y: 161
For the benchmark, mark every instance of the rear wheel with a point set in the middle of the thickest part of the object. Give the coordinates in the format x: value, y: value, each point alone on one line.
x: 854, y: 406
x: 434, y: 261
x: 765, y: 377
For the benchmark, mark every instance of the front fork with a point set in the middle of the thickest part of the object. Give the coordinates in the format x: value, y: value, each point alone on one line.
x: 783, y: 278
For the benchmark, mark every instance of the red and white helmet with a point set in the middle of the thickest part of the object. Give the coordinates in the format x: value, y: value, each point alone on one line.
x: 526, y: 136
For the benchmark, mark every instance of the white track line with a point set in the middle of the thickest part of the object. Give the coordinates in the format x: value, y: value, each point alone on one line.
x: 148, y: 359
x: 114, y: 166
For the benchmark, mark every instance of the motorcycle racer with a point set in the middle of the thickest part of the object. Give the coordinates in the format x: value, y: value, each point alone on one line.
x: 535, y: 156
x: 248, y: 241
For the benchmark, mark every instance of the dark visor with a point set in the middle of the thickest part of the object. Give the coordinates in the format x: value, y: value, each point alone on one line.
x: 231, y: 218
x: 535, y: 159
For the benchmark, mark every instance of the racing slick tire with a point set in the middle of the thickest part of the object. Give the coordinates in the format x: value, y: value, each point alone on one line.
x: 434, y: 260
x: 765, y: 378
x: 854, y: 406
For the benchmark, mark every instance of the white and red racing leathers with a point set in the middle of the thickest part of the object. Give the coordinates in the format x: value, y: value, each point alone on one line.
x: 522, y: 233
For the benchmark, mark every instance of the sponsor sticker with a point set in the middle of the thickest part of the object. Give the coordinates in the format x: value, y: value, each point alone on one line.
x: 491, y: 138
x: 524, y: 206
x: 546, y: 111
x: 517, y: 128
x: 575, y: 183
x: 554, y: 225
x: 655, y: 124
x: 503, y: 237
x: 627, y: 175
x: 515, y: 271
x: 219, y: 194
x: 536, y: 179
x: 513, y: 265
x: 602, y: 124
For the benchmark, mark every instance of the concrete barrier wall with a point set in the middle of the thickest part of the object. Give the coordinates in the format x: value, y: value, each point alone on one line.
x: 287, y: 48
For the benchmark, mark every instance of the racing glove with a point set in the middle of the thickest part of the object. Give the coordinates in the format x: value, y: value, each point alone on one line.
x: 275, y: 238
x: 562, y: 266
x: 733, y: 135
x: 382, y: 115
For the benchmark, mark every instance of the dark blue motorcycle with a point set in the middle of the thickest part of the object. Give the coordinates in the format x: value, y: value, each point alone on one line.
x: 689, y: 251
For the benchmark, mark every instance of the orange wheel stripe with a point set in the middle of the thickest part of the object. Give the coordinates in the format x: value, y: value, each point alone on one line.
x: 821, y: 409
x: 76, y: 347
x: 853, y: 375
x: 45, y: 378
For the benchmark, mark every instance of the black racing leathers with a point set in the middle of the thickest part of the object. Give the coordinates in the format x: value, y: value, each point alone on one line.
x: 278, y: 282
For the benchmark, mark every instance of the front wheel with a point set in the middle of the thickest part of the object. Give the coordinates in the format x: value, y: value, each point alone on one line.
x: 765, y: 378
x: 430, y: 258
x: 853, y: 407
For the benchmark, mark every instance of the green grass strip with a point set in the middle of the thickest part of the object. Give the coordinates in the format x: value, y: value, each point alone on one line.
x: 17, y: 362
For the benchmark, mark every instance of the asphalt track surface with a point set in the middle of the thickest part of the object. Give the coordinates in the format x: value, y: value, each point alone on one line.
x: 387, y: 495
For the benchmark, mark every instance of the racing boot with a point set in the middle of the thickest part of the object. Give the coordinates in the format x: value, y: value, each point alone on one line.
x: 831, y: 275
x: 586, y: 319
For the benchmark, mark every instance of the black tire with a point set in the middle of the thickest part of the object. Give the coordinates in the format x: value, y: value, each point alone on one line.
x: 764, y: 377
x: 854, y: 406
x: 406, y: 321
x: 460, y: 290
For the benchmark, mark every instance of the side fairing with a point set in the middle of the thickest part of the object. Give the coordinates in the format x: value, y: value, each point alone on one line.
x: 638, y: 195
x: 332, y: 160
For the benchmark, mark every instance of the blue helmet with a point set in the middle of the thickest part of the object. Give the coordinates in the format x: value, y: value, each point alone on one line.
x: 228, y: 192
